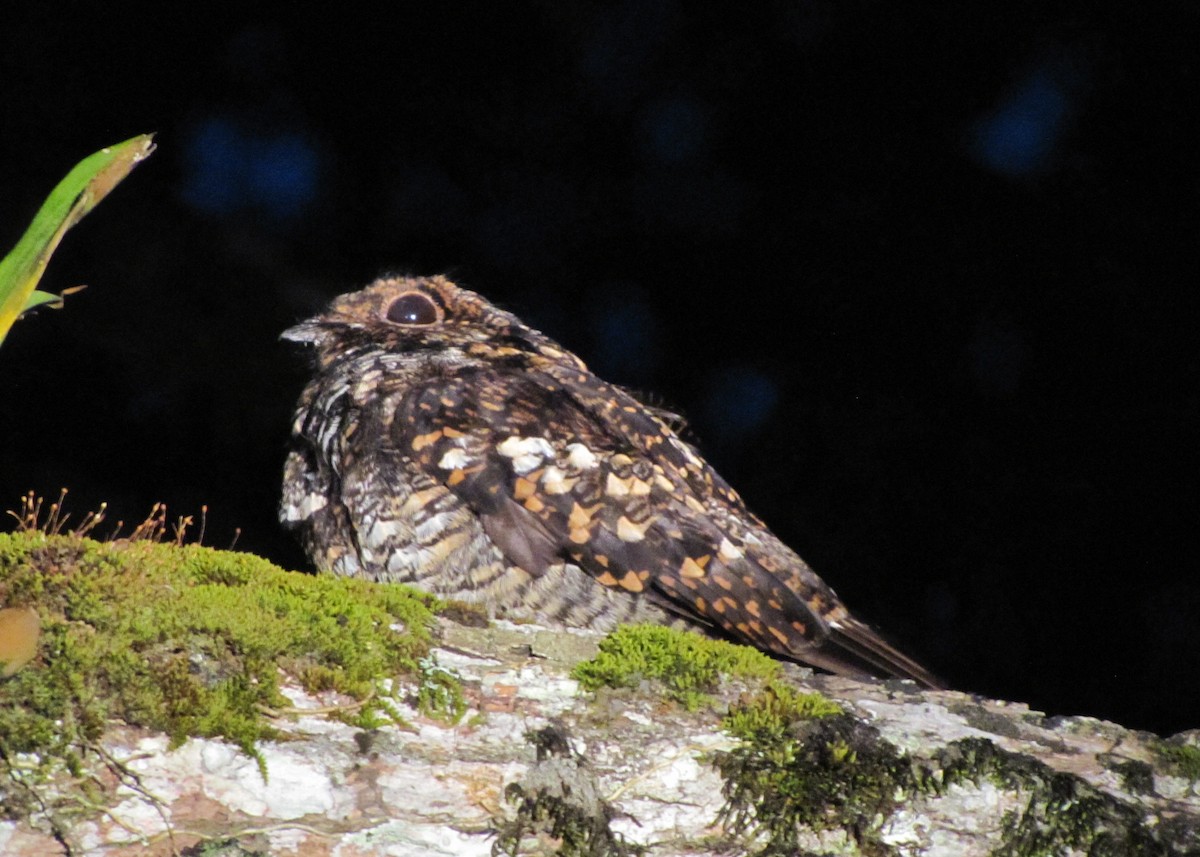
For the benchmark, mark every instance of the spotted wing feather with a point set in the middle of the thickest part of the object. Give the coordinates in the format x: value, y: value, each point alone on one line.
x: 610, y: 489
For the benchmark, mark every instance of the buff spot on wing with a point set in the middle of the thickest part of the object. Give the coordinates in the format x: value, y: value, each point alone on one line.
x: 534, y: 504
x: 631, y: 582
x: 616, y: 487
x: 423, y: 440
x: 579, y: 517
x: 753, y: 609
x: 607, y: 579
x: 523, y: 489
x: 690, y: 568
x: 628, y: 531
x: 778, y: 635
x: 554, y: 481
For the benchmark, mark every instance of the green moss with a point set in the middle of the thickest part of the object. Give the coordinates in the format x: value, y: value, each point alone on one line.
x: 559, y: 799
x: 1061, y: 812
x: 439, y: 694
x: 1136, y: 777
x: 188, y: 641
x: 226, y: 847
x: 819, y: 771
x: 1182, y: 760
x: 770, y: 716
x: 793, y: 773
x: 687, y: 664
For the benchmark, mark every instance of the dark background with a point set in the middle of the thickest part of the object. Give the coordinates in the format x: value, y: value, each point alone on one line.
x: 923, y: 281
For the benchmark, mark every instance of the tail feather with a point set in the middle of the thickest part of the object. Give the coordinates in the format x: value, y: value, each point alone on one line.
x: 870, y: 653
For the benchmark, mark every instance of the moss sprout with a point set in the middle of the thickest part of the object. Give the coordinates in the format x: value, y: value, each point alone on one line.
x: 688, y: 665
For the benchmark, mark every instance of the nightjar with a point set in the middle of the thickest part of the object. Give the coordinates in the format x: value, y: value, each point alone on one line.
x: 443, y: 443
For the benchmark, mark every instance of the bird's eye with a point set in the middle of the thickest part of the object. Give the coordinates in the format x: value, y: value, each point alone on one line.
x: 414, y: 308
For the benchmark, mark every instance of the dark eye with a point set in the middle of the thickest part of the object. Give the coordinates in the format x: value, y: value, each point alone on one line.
x: 414, y: 308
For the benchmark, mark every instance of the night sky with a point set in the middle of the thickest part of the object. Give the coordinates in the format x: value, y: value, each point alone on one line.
x: 923, y: 282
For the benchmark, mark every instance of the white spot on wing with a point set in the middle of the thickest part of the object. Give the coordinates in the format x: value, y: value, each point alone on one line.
x: 307, y: 507
x: 380, y: 533
x: 526, y: 452
x: 454, y: 459
x: 515, y: 447
x: 580, y: 457
x: 728, y: 551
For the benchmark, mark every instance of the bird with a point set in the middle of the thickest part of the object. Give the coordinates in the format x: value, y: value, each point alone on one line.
x: 443, y: 443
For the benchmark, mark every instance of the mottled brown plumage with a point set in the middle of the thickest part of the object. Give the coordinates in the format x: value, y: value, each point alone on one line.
x: 444, y: 443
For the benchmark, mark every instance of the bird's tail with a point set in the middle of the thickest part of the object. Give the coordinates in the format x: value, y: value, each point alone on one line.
x: 853, y: 647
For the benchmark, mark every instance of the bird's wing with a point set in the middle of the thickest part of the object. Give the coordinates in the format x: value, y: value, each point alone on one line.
x: 563, y: 467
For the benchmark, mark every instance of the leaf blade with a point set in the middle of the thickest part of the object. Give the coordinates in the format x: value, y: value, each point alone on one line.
x: 79, y: 192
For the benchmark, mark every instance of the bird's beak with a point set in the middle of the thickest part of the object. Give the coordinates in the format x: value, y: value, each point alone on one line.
x: 306, y: 332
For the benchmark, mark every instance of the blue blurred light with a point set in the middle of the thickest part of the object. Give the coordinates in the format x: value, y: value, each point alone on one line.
x: 283, y: 175
x: 739, y: 400
x: 623, y: 40
x: 625, y: 329
x: 675, y: 128
x: 1020, y: 134
x: 229, y: 168
x: 216, y: 163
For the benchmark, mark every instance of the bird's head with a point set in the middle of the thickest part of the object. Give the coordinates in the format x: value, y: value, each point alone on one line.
x: 423, y: 318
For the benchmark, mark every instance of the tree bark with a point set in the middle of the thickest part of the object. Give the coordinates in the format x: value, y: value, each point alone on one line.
x: 537, y: 766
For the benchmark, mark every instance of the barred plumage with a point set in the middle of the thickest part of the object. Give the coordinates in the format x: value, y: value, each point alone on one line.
x: 445, y: 444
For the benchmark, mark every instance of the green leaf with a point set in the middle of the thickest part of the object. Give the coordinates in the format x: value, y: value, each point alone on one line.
x: 74, y: 197
x: 39, y: 298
